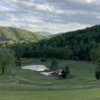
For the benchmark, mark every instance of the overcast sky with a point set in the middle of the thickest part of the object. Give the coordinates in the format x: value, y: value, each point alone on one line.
x: 53, y: 16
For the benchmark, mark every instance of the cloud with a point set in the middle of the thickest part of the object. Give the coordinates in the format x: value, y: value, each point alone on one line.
x: 11, y: 1
x: 4, y: 9
x: 44, y: 7
x: 14, y: 18
x: 84, y: 1
x: 52, y: 9
x: 50, y: 15
x: 64, y: 27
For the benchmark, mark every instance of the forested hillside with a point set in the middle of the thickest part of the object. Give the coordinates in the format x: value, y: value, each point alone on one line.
x: 71, y: 45
x: 9, y: 34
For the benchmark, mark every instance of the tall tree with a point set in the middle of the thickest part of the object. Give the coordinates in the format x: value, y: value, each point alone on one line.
x: 6, y: 57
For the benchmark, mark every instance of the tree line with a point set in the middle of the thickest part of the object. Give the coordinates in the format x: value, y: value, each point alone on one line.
x: 76, y: 45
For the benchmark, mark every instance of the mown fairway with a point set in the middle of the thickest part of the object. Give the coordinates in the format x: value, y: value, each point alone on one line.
x: 85, y: 94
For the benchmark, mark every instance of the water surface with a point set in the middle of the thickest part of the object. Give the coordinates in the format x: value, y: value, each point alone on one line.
x: 35, y: 67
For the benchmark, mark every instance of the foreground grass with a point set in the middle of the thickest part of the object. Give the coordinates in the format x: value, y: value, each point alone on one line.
x: 81, y: 84
x: 88, y: 94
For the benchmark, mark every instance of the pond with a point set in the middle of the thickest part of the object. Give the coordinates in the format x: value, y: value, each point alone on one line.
x: 46, y: 73
x: 35, y: 67
x: 39, y: 68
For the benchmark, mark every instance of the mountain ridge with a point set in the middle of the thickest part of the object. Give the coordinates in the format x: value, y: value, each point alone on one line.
x: 77, y: 45
x: 18, y: 34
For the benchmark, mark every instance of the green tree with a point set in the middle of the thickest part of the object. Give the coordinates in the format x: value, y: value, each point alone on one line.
x: 97, y: 72
x: 67, y: 70
x: 18, y: 62
x: 6, y: 57
x: 54, y: 64
x: 95, y: 54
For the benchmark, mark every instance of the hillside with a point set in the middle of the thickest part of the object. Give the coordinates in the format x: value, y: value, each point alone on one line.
x: 76, y: 45
x: 17, y: 34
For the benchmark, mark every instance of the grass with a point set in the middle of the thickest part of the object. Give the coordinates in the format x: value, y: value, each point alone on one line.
x: 86, y: 94
x: 81, y: 73
x: 81, y: 84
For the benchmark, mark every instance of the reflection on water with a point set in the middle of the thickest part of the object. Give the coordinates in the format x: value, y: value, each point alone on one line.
x: 46, y: 73
x: 35, y: 67
x: 39, y: 68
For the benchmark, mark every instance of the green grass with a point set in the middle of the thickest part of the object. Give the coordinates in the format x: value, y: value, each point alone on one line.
x: 81, y: 84
x: 88, y: 94
x: 81, y: 73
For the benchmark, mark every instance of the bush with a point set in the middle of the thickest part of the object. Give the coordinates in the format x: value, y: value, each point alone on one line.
x: 43, y: 60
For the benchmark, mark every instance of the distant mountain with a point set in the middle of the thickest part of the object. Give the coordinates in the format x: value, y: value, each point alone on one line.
x: 46, y: 34
x: 17, y: 34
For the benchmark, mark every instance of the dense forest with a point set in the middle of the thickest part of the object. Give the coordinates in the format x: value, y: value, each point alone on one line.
x: 78, y: 45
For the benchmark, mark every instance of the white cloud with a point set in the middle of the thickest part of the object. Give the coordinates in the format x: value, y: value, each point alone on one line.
x: 4, y: 9
x: 9, y: 23
x: 48, y: 8
x: 13, y: 18
x: 25, y: 3
x: 53, y: 9
x: 98, y: 17
x: 58, y: 28
x: 50, y: 15
x: 66, y: 27
x: 84, y: 1
x: 20, y: 19
x: 32, y: 26
x: 44, y: 7
x: 11, y: 0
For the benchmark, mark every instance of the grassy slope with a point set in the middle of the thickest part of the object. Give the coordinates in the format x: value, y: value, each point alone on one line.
x: 15, y: 34
x: 81, y: 73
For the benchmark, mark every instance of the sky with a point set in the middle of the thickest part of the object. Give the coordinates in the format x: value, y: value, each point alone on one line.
x: 54, y: 16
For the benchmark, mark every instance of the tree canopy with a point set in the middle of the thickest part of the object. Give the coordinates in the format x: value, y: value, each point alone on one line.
x: 6, y: 57
x: 78, y: 45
